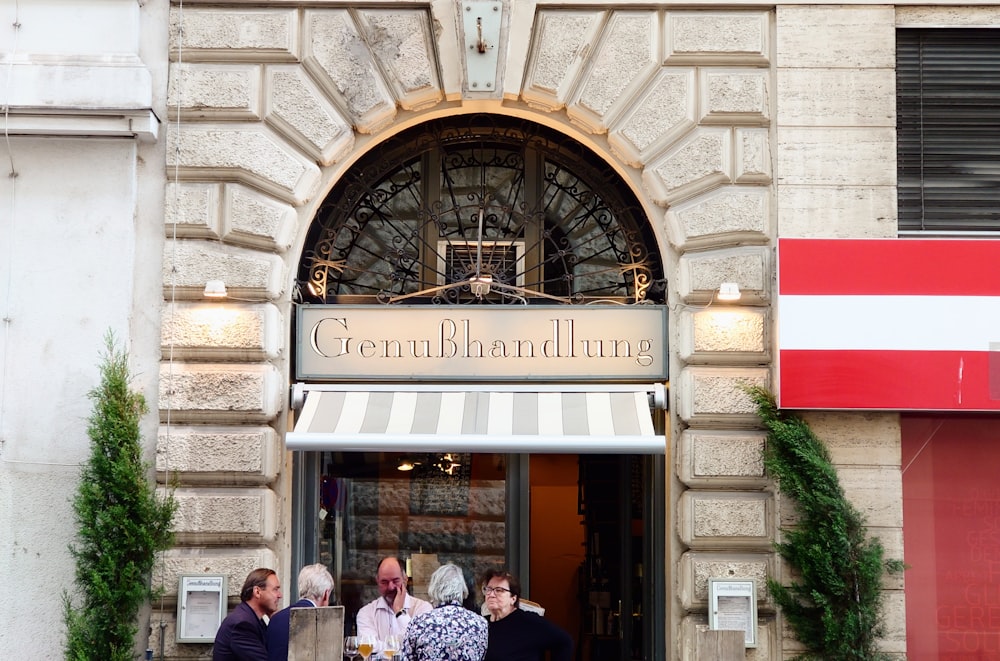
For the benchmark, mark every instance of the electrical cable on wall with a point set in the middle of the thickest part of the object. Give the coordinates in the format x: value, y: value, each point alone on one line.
x: 12, y: 175
x: 177, y: 208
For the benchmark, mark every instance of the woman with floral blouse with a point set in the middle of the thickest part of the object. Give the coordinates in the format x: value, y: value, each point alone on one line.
x: 450, y: 632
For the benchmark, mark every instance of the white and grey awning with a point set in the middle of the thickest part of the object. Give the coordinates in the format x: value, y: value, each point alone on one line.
x: 607, y: 419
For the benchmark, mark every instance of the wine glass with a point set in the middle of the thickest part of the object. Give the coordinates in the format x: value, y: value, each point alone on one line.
x: 351, y: 647
x: 391, y: 646
x: 366, y: 645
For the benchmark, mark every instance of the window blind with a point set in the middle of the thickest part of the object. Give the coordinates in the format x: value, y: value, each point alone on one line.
x: 948, y: 129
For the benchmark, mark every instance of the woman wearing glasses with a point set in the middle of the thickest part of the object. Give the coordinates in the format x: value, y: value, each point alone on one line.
x: 515, y: 634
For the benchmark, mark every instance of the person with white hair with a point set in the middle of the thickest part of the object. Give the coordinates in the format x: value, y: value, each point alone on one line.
x: 450, y: 632
x: 315, y: 590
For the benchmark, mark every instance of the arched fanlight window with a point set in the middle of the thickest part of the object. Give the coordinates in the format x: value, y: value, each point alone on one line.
x: 480, y: 209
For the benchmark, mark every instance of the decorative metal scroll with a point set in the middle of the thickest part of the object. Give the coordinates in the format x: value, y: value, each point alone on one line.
x: 480, y: 209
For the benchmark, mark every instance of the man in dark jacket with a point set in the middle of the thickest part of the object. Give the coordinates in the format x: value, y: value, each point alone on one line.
x: 315, y: 590
x: 242, y: 635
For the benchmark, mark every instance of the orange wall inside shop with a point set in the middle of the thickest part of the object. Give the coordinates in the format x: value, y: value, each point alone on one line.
x: 556, y: 539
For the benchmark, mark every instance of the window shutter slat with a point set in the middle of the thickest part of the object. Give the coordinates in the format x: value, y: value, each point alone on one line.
x: 948, y: 129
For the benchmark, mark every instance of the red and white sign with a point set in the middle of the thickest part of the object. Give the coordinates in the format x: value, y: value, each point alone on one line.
x: 890, y: 324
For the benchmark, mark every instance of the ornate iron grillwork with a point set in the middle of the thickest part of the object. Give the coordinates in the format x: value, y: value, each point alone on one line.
x: 480, y: 209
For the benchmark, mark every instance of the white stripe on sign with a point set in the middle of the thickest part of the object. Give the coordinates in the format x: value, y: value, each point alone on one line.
x: 355, y: 406
x: 501, y: 412
x: 452, y: 413
x: 900, y: 323
x: 550, y: 414
x: 599, y: 419
x: 401, y: 418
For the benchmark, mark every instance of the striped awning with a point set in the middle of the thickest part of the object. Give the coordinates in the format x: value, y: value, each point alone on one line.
x: 606, y: 421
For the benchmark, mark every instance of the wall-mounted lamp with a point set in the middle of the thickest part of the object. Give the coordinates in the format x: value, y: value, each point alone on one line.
x: 405, y: 464
x: 729, y: 291
x: 215, y: 289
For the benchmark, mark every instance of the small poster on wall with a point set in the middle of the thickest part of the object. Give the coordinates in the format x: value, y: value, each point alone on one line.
x: 732, y: 604
x: 201, y: 607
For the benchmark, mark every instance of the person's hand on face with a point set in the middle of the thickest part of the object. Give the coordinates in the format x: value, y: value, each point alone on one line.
x: 392, y: 585
x: 399, y: 600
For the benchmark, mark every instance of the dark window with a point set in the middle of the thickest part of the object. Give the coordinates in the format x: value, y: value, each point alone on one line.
x: 948, y: 129
x: 430, y: 212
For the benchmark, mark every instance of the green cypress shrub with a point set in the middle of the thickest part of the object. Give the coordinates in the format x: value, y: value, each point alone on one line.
x: 834, y: 607
x: 121, y: 523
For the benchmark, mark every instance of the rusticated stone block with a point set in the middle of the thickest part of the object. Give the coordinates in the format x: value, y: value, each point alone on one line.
x: 753, y: 156
x: 402, y: 41
x: 191, y: 210
x: 894, y: 608
x: 163, y: 631
x: 340, y: 61
x: 256, y: 220
x: 718, y: 37
x: 296, y: 108
x: 836, y: 157
x: 697, y: 567
x: 726, y: 335
x: 768, y: 641
x: 486, y: 500
x: 232, y: 563
x: 866, y: 438
x: 958, y: 16
x: 697, y: 163
x: 219, y: 516
x: 663, y: 112
x: 211, y: 34
x: 727, y: 215
x: 188, y: 265
x: 625, y: 57
x: 715, y: 396
x: 215, y: 91
x: 878, y: 492
x: 207, y: 332
x: 701, y: 273
x: 836, y: 97
x: 836, y: 36
x: 726, y: 519
x: 219, y: 392
x: 735, y: 96
x: 563, y: 39
x: 848, y: 212
x: 722, y: 459
x: 250, y: 152
x: 207, y: 454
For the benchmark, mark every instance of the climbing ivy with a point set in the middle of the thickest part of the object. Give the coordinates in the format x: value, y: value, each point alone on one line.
x: 834, y: 605
x: 121, y: 523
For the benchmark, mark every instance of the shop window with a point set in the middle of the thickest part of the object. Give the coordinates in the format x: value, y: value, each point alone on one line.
x: 948, y: 130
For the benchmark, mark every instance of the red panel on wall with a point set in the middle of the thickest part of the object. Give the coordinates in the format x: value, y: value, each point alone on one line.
x: 951, y: 515
x: 892, y: 324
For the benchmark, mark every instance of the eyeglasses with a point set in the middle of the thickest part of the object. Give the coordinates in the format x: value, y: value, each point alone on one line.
x: 498, y: 590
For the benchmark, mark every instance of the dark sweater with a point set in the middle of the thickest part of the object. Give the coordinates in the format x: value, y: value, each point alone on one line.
x: 525, y: 636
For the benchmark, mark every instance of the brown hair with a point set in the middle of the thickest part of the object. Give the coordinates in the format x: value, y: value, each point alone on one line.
x: 515, y: 585
x: 255, y: 579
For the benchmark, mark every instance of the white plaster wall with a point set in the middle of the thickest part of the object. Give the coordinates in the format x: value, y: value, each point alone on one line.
x: 68, y: 243
x: 81, y: 242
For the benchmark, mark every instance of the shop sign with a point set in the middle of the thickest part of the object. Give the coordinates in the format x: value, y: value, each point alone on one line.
x: 621, y: 343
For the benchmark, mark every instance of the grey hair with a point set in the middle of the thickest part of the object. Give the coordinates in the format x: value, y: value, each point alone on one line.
x: 314, y: 580
x: 447, y: 585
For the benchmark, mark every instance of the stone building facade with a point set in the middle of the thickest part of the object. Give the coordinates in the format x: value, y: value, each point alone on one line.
x: 227, y: 122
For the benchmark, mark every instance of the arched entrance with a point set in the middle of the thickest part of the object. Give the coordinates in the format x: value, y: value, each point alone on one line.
x: 485, y: 195
x: 487, y: 210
